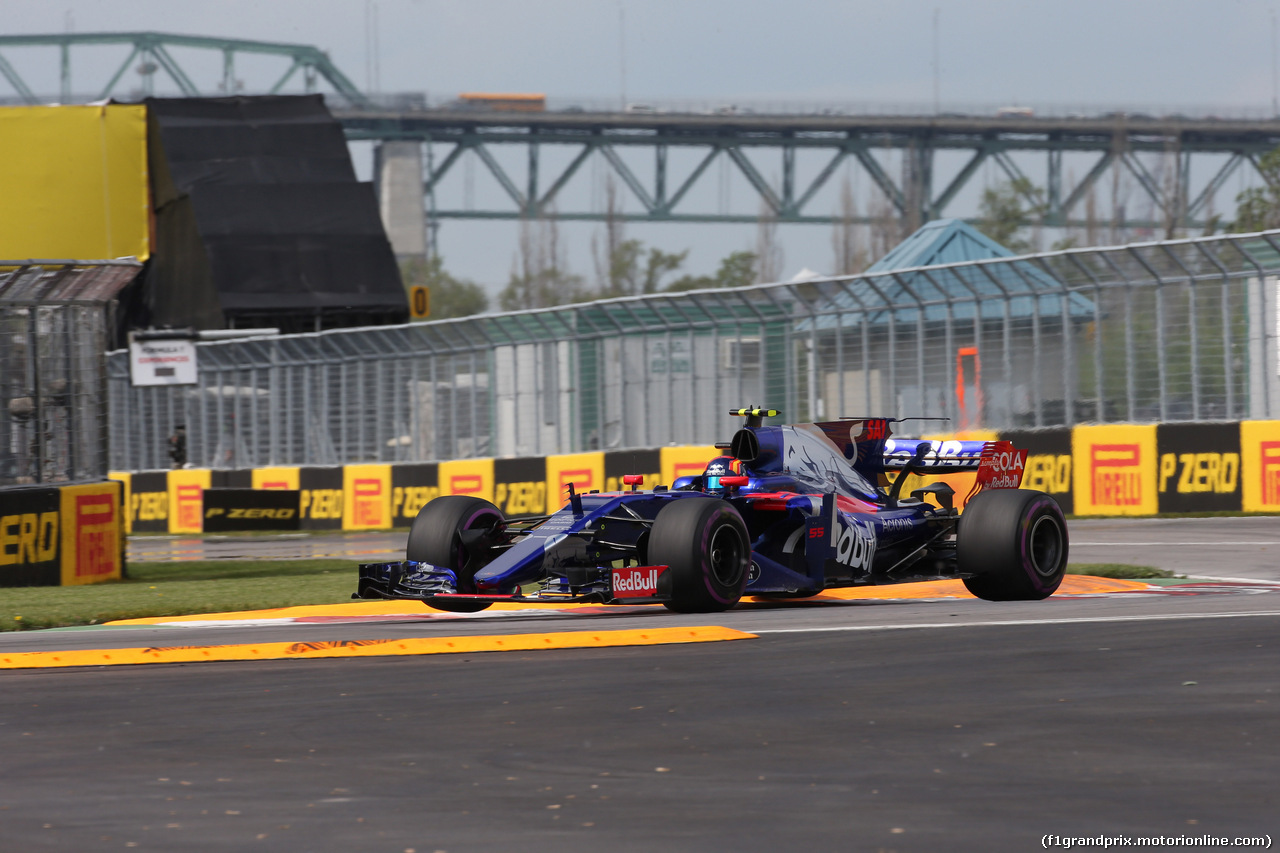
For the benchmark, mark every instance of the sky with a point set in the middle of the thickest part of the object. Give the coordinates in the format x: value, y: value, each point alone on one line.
x: 1155, y: 56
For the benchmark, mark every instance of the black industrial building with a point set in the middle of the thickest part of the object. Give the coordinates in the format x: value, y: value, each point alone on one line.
x: 259, y: 221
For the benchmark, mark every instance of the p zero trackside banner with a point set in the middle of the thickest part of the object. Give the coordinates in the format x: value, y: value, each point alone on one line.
x: 1115, y: 470
x: 321, y: 503
x: 92, y: 533
x: 584, y: 470
x: 619, y: 463
x: 1260, y: 466
x: 29, y: 537
x: 148, y: 508
x: 1199, y: 467
x: 1048, y: 462
x: 467, y: 477
x: 520, y: 486
x: 680, y: 462
x: 411, y: 487
x: 368, y: 491
x: 251, y: 509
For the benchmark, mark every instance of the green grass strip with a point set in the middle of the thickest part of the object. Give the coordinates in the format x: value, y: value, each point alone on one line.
x: 1117, y: 570
x: 180, y: 588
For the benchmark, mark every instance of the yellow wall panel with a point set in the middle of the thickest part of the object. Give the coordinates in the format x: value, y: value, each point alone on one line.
x: 92, y: 533
x: 125, y: 477
x: 685, y: 462
x: 368, y: 504
x: 1260, y: 465
x: 186, y: 499
x: 584, y: 470
x: 467, y: 477
x: 1115, y: 470
x: 75, y: 182
x: 275, y: 478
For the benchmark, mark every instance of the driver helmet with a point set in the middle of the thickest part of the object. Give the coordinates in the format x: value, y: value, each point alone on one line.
x: 721, y: 466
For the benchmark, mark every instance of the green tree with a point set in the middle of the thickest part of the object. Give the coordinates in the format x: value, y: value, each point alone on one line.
x: 633, y: 272
x: 1009, y: 207
x: 450, y: 297
x: 737, y: 269
x: 1258, y: 208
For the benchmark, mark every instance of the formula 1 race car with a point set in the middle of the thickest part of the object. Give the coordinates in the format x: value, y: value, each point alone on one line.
x: 786, y: 512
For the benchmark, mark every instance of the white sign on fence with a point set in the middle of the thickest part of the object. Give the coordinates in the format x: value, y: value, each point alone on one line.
x: 163, y: 362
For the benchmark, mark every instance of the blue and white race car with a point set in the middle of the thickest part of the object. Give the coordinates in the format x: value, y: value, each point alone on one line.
x: 785, y: 512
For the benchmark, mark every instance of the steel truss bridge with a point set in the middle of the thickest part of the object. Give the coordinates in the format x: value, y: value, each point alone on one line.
x: 916, y: 197
x: 920, y: 193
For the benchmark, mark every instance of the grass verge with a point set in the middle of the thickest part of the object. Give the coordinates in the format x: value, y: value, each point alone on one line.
x: 180, y: 588
x: 1117, y: 570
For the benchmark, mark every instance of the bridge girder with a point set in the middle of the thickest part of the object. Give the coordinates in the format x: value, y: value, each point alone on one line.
x: 153, y: 48
x: 1116, y: 142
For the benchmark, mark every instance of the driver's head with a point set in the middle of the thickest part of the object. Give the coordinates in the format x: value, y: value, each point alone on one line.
x: 721, y: 466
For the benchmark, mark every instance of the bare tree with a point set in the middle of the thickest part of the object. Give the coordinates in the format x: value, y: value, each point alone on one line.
x: 846, y: 240
x: 886, y: 226
x: 768, y: 250
x: 539, y: 273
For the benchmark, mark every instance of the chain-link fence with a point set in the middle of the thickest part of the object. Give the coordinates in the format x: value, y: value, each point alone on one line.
x: 1172, y: 331
x: 54, y: 323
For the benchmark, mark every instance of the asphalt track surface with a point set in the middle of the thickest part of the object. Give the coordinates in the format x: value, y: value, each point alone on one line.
x: 938, y: 724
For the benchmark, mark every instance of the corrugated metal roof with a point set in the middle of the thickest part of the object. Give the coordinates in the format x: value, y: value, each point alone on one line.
x: 936, y: 267
x: 56, y: 282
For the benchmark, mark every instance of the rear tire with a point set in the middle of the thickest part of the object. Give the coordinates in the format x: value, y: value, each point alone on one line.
x: 1014, y: 544
x: 436, y: 538
x: 704, y: 543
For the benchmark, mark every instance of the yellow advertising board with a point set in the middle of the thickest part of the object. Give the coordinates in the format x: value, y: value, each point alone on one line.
x: 125, y: 477
x: 685, y: 462
x: 1260, y: 465
x: 75, y: 182
x: 1115, y: 470
x: 275, y: 478
x: 467, y: 477
x: 584, y: 470
x: 92, y: 533
x: 368, y: 490
x: 186, y: 499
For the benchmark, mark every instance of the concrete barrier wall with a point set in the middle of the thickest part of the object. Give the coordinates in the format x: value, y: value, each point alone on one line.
x: 61, y: 535
x: 1091, y: 470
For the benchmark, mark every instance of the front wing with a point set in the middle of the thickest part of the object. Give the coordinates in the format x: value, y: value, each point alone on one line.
x: 580, y: 585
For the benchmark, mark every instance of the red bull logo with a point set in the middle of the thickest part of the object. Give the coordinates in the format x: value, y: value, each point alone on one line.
x: 97, y: 542
x: 1269, y: 451
x: 1115, y: 476
x: 637, y: 581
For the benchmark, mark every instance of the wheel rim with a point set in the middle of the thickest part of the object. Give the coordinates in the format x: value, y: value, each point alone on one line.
x: 1045, y: 546
x: 725, y: 555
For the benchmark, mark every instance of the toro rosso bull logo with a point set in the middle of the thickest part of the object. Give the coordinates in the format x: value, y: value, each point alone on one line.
x: 854, y: 543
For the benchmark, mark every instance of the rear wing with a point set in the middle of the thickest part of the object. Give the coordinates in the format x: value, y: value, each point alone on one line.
x: 942, y: 457
x: 999, y: 464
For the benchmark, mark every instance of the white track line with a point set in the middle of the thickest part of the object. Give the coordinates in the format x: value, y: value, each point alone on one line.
x: 992, y: 624
x: 1219, y: 544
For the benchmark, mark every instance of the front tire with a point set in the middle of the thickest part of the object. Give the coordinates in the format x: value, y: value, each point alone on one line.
x: 1014, y: 544
x: 704, y: 543
x: 437, y: 537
